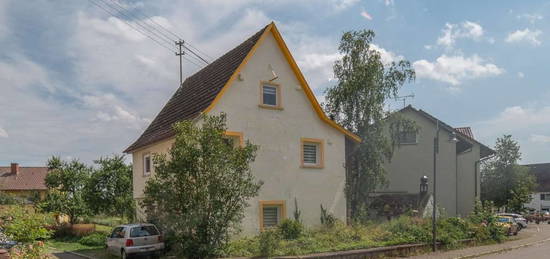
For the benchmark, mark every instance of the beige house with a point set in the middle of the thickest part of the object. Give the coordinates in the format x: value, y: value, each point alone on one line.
x: 458, y: 177
x: 267, y: 101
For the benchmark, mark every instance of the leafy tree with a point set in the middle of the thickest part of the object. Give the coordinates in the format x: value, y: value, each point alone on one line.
x: 66, y: 182
x: 357, y: 103
x: 23, y: 224
x: 109, y: 189
x: 200, y: 190
x: 504, y: 181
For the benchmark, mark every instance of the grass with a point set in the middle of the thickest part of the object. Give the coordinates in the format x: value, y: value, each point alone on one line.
x: 63, y: 245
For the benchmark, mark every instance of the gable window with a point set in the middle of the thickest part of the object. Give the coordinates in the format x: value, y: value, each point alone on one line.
x: 234, y: 138
x: 270, y: 95
x: 407, y: 137
x: 312, y: 153
x: 147, y: 164
x: 271, y: 213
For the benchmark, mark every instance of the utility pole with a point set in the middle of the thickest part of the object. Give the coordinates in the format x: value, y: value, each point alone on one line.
x: 180, y: 53
x: 434, y: 205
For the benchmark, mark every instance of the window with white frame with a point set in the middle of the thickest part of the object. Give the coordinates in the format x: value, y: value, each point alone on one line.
x: 146, y: 164
x: 312, y: 153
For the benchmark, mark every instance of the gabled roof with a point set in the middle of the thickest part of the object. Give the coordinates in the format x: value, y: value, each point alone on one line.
x: 27, y: 179
x: 200, y: 92
x: 461, y: 134
x: 542, y: 174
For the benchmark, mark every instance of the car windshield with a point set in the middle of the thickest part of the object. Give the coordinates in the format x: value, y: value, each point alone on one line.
x: 144, y: 231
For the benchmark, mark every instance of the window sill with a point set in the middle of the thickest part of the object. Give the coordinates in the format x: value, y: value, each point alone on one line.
x: 271, y: 107
x: 312, y: 166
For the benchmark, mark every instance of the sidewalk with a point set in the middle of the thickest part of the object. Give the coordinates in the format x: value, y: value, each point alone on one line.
x: 532, y: 235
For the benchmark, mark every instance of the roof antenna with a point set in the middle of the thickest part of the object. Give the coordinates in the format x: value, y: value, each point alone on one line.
x: 404, y: 99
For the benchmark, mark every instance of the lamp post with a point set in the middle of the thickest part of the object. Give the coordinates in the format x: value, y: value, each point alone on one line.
x: 452, y: 138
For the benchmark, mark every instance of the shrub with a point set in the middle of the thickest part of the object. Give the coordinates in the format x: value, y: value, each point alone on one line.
x: 25, y: 225
x: 7, y: 199
x: 94, y: 239
x: 29, y: 251
x: 269, y: 242
x: 290, y: 229
x: 327, y: 219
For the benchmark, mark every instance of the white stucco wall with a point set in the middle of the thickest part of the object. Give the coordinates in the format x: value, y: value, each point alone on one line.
x: 278, y: 133
x: 466, y: 181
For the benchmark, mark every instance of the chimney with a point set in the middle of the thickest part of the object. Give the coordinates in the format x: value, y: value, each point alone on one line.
x: 14, y: 168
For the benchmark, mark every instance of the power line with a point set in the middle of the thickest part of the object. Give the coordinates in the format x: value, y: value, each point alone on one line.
x: 164, y: 45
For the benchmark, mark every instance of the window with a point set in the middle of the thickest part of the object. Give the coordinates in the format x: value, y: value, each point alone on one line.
x: 146, y: 164
x: 271, y: 213
x: 545, y: 196
x: 118, y: 233
x: 312, y: 153
x: 234, y: 138
x: 407, y: 137
x: 270, y: 95
x: 144, y: 231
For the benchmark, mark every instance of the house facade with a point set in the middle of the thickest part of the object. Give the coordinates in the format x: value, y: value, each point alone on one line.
x: 540, y: 199
x: 23, y: 182
x: 457, y: 164
x: 267, y: 100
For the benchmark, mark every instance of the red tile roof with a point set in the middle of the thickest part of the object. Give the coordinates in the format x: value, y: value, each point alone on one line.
x: 195, y: 94
x: 466, y: 131
x: 28, y: 178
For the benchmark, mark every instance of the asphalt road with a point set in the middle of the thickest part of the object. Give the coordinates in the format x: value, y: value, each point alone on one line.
x: 541, y: 250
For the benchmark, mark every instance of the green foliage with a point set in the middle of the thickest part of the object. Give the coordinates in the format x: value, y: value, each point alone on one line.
x: 297, y: 212
x: 357, y: 103
x: 8, y: 199
x: 290, y: 229
x: 94, y: 239
x: 109, y: 189
x: 29, y: 251
x: 269, y: 242
x: 485, y: 222
x: 23, y: 224
x: 327, y: 219
x: 66, y: 182
x: 503, y: 180
x: 198, y: 196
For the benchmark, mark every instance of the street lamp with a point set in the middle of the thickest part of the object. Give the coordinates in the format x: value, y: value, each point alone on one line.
x: 453, y: 139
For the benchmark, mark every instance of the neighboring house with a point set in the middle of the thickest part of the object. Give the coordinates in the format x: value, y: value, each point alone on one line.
x: 458, y: 177
x: 23, y: 182
x: 540, y: 199
x: 267, y: 101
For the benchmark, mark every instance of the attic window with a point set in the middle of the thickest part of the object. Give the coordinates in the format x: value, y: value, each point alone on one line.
x: 312, y: 153
x: 270, y: 95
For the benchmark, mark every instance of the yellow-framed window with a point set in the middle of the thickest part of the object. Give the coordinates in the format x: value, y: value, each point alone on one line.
x: 270, y: 95
x: 271, y: 213
x: 312, y: 153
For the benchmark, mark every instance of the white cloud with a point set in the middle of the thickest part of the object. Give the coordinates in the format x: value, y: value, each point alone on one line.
x: 455, y: 69
x: 539, y: 138
x: 525, y: 35
x: 386, y: 56
x: 453, y: 32
x: 521, y: 75
x: 344, y: 4
x: 532, y: 18
x: 366, y: 15
x: 389, y: 2
x: 3, y: 133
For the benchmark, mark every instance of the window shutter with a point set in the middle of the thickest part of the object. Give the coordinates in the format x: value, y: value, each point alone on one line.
x: 271, y: 216
x: 310, y: 153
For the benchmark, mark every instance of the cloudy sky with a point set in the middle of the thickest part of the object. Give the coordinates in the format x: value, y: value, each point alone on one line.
x: 78, y: 82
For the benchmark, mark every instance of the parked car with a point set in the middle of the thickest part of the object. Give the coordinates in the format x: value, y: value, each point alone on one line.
x: 508, y: 224
x: 520, y: 220
x: 135, y: 239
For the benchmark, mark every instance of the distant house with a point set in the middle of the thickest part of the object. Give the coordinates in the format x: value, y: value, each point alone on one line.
x: 23, y: 182
x: 267, y: 101
x: 458, y: 177
x: 540, y: 199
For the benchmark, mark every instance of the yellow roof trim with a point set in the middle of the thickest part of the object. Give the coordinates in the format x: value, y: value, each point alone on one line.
x: 303, y: 83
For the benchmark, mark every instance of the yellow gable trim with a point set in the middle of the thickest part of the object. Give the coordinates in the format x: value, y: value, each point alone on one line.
x: 303, y: 83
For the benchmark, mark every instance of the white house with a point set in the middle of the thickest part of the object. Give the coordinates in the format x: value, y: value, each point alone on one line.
x: 267, y: 101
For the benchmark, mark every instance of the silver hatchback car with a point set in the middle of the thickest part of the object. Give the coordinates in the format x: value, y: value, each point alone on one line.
x: 135, y: 239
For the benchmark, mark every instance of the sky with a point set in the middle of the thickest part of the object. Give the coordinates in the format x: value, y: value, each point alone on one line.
x: 80, y: 83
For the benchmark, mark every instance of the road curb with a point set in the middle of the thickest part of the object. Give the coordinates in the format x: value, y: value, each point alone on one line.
x: 495, y: 251
x: 79, y: 254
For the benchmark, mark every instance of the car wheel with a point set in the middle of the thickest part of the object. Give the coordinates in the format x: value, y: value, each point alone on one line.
x: 123, y: 255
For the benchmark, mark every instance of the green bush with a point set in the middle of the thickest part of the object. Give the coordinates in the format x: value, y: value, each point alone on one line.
x: 290, y: 229
x: 94, y: 239
x: 269, y: 242
x: 7, y: 199
x: 23, y: 224
x: 327, y: 219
